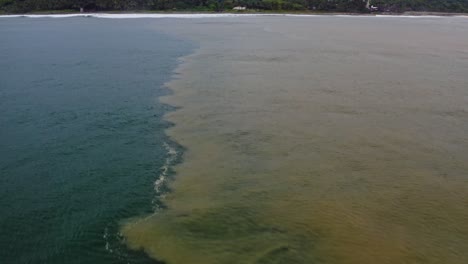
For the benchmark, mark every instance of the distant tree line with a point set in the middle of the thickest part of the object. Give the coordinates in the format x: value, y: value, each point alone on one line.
x: 23, y: 6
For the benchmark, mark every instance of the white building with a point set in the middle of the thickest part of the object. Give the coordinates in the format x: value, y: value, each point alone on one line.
x: 237, y: 8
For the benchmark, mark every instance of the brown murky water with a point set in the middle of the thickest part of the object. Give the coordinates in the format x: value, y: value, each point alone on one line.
x: 317, y: 140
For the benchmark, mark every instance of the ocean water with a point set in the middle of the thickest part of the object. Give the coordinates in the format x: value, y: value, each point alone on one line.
x: 321, y: 139
x: 81, y: 135
x: 306, y: 139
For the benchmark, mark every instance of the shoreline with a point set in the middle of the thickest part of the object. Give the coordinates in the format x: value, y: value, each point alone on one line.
x: 149, y: 14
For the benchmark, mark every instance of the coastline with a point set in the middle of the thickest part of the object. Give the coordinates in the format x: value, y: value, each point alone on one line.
x: 149, y: 14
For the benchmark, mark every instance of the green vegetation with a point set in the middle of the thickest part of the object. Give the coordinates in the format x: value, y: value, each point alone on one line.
x: 24, y: 6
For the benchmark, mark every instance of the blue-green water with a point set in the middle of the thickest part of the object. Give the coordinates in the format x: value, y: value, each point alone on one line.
x: 81, y: 134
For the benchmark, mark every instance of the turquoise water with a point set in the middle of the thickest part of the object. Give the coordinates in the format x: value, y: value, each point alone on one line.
x: 81, y: 135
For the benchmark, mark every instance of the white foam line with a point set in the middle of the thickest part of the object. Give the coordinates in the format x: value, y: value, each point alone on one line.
x: 373, y: 16
x: 151, y: 15
x: 162, y: 178
x: 409, y: 16
x: 122, y: 16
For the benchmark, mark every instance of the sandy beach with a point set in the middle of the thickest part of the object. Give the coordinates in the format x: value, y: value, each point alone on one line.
x: 316, y: 140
